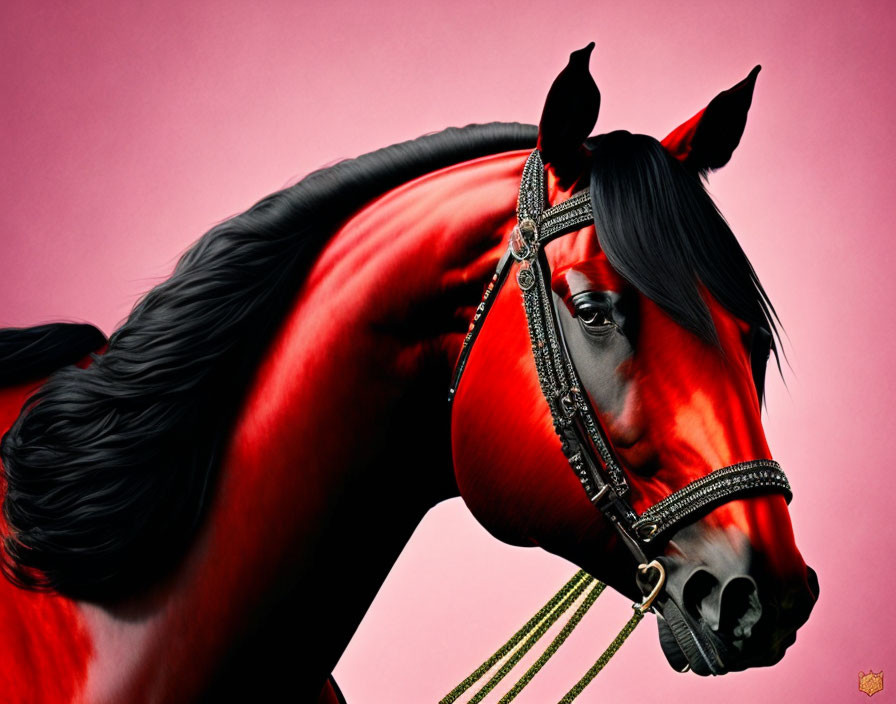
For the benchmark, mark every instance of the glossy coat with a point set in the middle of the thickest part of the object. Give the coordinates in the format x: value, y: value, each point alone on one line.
x: 345, y: 441
x: 322, y: 483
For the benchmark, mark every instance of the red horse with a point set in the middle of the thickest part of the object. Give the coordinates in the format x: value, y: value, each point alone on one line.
x: 238, y: 466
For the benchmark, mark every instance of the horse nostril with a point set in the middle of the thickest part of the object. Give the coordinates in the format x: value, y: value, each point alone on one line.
x: 700, y: 596
x: 740, y: 609
x: 730, y: 609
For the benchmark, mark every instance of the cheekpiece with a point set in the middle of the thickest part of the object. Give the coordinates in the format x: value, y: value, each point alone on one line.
x: 582, y: 438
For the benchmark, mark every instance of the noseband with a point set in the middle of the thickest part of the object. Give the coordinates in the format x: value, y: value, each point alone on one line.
x: 583, y: 440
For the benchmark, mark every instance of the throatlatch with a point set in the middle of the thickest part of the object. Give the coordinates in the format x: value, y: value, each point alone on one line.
x: 583, y: 440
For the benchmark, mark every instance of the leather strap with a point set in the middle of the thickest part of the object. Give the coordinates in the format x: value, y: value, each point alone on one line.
x: 582, y: 439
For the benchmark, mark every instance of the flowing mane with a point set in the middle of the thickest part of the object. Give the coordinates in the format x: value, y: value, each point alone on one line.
x: 108, y: 467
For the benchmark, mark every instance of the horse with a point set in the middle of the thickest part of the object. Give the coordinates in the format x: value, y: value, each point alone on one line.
x: 238, y: 466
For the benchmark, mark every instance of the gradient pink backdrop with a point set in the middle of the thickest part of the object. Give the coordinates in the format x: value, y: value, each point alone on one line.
x: 128, y: 129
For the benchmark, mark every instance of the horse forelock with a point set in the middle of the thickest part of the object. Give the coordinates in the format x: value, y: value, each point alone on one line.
x: 662, y: 232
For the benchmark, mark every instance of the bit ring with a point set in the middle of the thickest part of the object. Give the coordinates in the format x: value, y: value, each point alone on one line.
x: 647, y: 601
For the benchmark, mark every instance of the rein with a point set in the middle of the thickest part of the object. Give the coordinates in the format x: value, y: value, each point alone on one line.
x: 536, y: 627
x: 583, y: 441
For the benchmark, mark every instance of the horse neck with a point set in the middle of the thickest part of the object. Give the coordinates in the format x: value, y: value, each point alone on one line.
x: 342, y: 445
x: 362, y: 364
x: 340, y: 448
x: 351, y: 400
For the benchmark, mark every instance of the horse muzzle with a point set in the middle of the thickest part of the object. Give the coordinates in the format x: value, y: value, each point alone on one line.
x: 719, y: 611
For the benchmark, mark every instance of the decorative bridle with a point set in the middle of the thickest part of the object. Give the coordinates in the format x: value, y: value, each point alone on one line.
x: 583, y: 440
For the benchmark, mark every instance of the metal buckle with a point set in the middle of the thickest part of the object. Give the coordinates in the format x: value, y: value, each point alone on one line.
x: 647, y: 601
x: 522, y: 240
x: 647, y: 530
x: 568, y: 403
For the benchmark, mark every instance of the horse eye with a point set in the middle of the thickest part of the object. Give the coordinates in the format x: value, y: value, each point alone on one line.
x: 595, y: 310
x: 595, y: 317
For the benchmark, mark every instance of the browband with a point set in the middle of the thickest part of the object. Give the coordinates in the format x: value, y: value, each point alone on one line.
x: 582, y: 439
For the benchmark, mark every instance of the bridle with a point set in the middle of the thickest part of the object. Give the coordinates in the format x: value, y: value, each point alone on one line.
x: 582, y: 438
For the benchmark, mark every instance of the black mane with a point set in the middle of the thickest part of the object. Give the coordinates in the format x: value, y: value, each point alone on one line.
x: 107, y: 468
x: 32, y: 354
x: 662, y: 232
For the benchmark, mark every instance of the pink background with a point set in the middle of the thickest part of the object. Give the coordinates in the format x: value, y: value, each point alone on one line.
x: 128, y: 129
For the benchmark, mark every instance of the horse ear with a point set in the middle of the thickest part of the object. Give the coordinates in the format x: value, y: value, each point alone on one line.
x: 569, y: 115
x: 708, y: 139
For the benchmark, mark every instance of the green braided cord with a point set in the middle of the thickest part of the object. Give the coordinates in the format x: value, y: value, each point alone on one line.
x: 517, y: 637
x: 605, y: 658
x: 555, y: 644
x: 532, y: 639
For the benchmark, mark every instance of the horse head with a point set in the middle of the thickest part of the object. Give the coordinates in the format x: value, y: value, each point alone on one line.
x: 652, y: 327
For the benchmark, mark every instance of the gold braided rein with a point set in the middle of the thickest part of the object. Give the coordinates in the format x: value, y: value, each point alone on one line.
x: 525, y: 638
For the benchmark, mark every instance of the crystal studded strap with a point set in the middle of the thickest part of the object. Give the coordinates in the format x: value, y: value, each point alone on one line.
x: 488, y: 297
x: 572, y: 214
x: 725, y: 484
x: 586, y: 447
x: 556, y: 375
